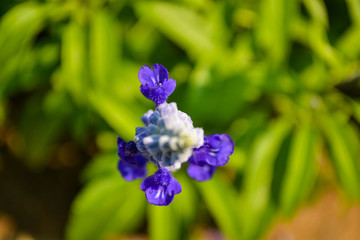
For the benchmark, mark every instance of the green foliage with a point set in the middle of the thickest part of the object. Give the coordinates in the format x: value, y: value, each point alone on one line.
x: 281, y: 77
x: 106, y: 206
x: 302, y: 167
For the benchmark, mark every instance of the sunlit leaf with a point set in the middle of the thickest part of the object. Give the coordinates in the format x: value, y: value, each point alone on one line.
x: 220, y: 198
x: 301, y: 170
x: 122, y: 118
x: 101, y: 165
x: 164, y: 223
x: 345, y: 154
x: 74, y: 59
x: 107, y: 205
x: 186, y: 203
x: 273, y: 27
x: 354, y: 9
x: 104, y: 51
x: 256, y: 196
x: 317, y: 10
x: 183, y: 26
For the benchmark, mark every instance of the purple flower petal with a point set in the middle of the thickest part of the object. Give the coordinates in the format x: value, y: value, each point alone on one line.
x: 148, y: 183
x: 132, y: 164
x: 121, y: 147
x: 216, y: 150
x: 221, y: 146
x: 156, y: 94
x: 146, y: 91
x: 146, y: 76
x: 158, y: 196
x: 160, y: 73
x: 131, y: 172
x: 160, y: 188
x: 174, y: 186
x: 156, y: 85
x: 140, y: 160
x: 127, y: 151
x: 214, y: 153
x: 169, y: 86
x: 200, y: 171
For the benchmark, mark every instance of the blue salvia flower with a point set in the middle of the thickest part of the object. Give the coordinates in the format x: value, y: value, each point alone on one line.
x: 160, y: 188
x: 132, y: 164
x: 169, y: 136
x: 168, y: 140
x: 156, y: 85
x: 214, y: 153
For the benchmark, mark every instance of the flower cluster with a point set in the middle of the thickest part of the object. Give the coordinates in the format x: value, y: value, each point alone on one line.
x: 167, y: 140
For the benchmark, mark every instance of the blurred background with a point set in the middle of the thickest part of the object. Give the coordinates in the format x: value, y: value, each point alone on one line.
x: 281, y: 77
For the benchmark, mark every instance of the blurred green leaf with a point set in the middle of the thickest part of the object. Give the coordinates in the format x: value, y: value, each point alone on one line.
x: 273, y: 26
x: 107, y: 205
x: 164, y: 223
x: 104, y: 51
x: 321, y: 46
x: 302, y: 167
x: 45, y: 128
x: 74, y: 60
x: 186, y: 203
x: 182, y: 25
x: 347, y: 43
x: 356, y: 106
x: 256, y: 197
x: 220, y: 198
x: 105, y: 140
x: 100, y: 166
x: 119, y: 116
x: 18, y: 29
x: 317, y: 10
x: 354, y: 10
x: 345, y: 154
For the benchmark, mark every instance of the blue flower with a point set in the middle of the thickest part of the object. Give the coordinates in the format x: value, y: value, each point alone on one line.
x: 199, y: 170
x: 132, y: 164
x: 169, y: 136
x: 160, y: 188
x: 214, y: 153
x: 167, y: 140
x: 156, y: 85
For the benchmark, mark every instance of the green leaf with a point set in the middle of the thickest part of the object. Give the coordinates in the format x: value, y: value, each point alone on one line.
x: 356, y: 109
x: 185, y: 203
x: 320, y: 45
x: 317, y: 10
x: 74, y: 60
x: 104, y: 51
x: 102, y: 165
x: 121, y: 116
x: 347, y: 43
x: 18, y: 28
x: 106, y: 205
x: 302, y: 168
x: 220, y: 198
x: 354, y: 9
x: 345, y: 154
x: 183, y: 26
x: 45, y: 127
x: 273, y: 27
x: 164, y: 223
x: 258, y: 178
